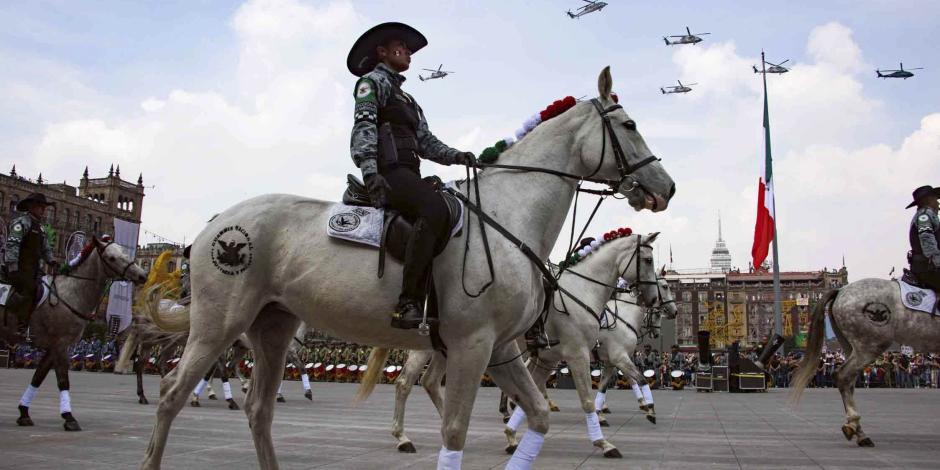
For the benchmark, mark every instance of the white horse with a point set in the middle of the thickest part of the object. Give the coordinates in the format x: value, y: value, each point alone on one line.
x: 619, y: 340
x: 266, y: 264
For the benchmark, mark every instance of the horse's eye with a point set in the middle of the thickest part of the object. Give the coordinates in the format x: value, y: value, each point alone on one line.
x: 630, y: 125
x: 111, y: 258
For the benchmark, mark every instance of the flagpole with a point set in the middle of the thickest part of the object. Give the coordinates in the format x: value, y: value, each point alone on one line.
x: 778, y: 317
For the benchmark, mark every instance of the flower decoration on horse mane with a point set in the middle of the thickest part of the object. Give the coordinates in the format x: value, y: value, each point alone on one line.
x: 490, y: 154
x: 590, y: 245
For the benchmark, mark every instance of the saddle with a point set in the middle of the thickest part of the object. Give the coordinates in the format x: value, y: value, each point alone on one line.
x: 917, y: 296
x: 396, y: 229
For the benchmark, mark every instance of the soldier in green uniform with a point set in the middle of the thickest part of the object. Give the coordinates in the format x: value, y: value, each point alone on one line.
x: 924, y: 235
x: 390, y: 136
x: 26, y: 245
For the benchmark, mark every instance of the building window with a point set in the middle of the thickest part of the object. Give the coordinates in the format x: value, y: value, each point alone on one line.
x: 702, y: 296
x: 686, y: 296
x: 171, y: 266
x: 13, y: 200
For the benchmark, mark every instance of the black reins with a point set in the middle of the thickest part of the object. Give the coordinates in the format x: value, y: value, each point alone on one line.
x: 54, y: 290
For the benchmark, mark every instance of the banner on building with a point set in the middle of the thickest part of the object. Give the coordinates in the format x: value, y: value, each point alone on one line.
x: 737, y: 323
x: 122, y: 293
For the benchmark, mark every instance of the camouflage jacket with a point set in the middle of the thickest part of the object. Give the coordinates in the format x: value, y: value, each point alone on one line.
x: 19, y: 228
x: 371, y: 93
x: 925, y: 231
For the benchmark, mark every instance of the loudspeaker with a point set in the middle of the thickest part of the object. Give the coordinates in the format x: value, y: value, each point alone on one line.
x: 704, y: 349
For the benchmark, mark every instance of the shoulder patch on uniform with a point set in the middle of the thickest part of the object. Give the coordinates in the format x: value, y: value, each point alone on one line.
x: 365, y: 90
x: 924, y: 218
x: 18, y: 228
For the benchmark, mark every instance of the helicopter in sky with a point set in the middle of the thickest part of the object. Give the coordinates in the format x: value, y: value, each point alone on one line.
x: 901, y: 73
x: 591, y: 7
x: 677, y: 89
x: 774, y: 68
x: 687, y: 38
x: 435, y: 73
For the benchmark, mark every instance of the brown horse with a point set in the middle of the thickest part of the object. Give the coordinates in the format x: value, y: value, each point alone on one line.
x: 58, y: 323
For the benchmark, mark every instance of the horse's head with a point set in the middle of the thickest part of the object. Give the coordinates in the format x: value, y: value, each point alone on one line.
x: 667, y: 302
x: 611, y: 148
x: 115, y: 263
x: 636, y: 266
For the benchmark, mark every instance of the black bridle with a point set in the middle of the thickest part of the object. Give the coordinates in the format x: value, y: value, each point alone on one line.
x: 121, y: 276
x: 649, y: 327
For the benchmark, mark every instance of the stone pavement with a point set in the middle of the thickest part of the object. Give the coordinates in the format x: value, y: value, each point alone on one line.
x: 694, y: 430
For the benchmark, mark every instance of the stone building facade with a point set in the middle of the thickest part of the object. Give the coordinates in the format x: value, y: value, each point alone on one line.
x: 90, y: 207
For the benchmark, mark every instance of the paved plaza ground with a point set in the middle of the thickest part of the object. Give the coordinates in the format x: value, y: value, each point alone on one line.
x: 695, y: 430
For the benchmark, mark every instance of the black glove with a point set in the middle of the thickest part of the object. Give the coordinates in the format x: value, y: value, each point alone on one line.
x: 378, y: 190
x: 53, y: 265
x: 466, y: 158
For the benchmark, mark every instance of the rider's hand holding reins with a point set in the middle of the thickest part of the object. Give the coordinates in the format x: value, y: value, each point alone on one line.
x: 378, y: 190
x: 466, y: 158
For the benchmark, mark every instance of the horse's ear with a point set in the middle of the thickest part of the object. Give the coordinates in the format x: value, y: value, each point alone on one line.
x: 605, y: 83
x: 652, y: 237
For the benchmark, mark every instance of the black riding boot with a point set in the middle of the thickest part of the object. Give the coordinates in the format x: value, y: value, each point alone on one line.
x: 535, y: 337
x: 418, y: 255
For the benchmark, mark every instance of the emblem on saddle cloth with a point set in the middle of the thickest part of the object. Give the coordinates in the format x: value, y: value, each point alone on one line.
x: 232, y: 250
x: 359, y: 224
x: 916, y: 298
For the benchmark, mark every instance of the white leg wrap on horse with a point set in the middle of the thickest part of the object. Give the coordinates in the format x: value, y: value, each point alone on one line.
x: 279, y: 387
x: 516, y: 419
x: 200, y: 387
x: 528, y: 450
x: 637, y: 391
x: 599, y: 400
x: 647, y: 394
x: 593, y: 427
x: 28, y: 396
x: 449, y: 459
x: 306, y: 380
x: 227, y: 390
x: 65, y: 402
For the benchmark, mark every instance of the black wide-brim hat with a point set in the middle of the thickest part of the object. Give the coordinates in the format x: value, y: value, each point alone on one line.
x: 34, y: 198
x: 923, y: 192
x: 363, y: 58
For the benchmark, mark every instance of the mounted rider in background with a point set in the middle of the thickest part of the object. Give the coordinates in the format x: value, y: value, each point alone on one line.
x: 924, y: 235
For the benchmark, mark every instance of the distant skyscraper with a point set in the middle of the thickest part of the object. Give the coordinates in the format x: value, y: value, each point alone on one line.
x: 721, y: 257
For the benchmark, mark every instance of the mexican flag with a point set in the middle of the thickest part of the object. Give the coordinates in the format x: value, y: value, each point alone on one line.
x: 764, y: 227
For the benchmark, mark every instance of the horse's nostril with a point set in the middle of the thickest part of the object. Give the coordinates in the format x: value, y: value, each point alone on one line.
x: 672, y: 190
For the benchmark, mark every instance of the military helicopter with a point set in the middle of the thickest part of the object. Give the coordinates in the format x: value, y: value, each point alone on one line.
x: 435, y: 73
x: 902, y: 73
x: 677, y: 89
x: 774, y: 68
x: 591, y: 7
x: 688, y: 38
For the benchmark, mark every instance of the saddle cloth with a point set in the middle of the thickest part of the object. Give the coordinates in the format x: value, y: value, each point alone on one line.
x: 355, y: 220
x: 6, y: 290
x: 918, y: 298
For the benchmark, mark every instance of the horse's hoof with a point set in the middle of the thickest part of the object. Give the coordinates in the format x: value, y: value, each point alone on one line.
x: 24, y: 421
x: 866, y: 442
x: 511, y: 449
x: 213, y: 397
x: 407, y: 448
x: 72, y: 426
x: 613, y: 454
x: 555, y: 408
x: 308, y: 395
x: 651, y: 418
x: 244, y: 389
x: 231, y: 404
x: 143, y: 400
x: 194, y: 403
x: 505, y: 419
x: 605, y: 410
x: 605, y: 424
x: 281, y: 400
x: 848, y: 432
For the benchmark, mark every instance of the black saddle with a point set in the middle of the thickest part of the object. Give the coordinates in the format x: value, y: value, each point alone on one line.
x: 912, y: 279
x: 397, y: 229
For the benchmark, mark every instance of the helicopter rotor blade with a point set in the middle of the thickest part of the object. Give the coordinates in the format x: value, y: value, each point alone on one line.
x: 917, y: 68
x: 781, y: 63
x: 430, y: 70
x: 701, y: 34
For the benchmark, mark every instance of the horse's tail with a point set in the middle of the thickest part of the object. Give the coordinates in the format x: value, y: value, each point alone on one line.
x: 377, y: 359
x: 817, y: 335
x: 123, y: 364
x: 173, y: 320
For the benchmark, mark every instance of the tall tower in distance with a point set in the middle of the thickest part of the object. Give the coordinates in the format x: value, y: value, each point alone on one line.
x: 721, y: 257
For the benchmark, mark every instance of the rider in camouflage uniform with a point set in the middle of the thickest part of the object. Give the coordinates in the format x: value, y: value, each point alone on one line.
x: 924, y: 235
x: 389, y: 137
x: 26, y: 245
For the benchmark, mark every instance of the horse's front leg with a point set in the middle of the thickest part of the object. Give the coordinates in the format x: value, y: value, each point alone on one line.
x: 42, y: 369
x: 516, y: 381
x: 61, y: 362
x: 463, y: 382
x: 580, y: 365
x: 403, y: 384
x: 139, y: 363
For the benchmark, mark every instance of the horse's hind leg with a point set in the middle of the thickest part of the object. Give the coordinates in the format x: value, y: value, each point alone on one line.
x: 845, y: 379
x: 207, y: 340
x: 42, y: 369
x: 403, y: 384
x: 62, y: 378
x: 270, y: 335
x: 139, y: 362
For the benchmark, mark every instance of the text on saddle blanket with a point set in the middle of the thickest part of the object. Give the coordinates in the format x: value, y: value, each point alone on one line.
x: 916, y: 298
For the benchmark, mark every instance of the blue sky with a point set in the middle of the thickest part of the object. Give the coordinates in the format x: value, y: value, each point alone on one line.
x: 256, y: 94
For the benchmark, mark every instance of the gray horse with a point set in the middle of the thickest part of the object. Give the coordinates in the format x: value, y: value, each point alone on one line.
x: 58, y: 323
x: 248, y: 277
x: 867, y: 316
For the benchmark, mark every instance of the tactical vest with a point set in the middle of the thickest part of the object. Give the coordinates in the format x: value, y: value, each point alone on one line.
x: 401, y: 113
x: 31, y: 252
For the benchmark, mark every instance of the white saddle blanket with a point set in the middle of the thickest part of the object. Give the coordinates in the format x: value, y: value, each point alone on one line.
x: 6, y: 289
x: 915, y: 298
x: 361, y: 224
